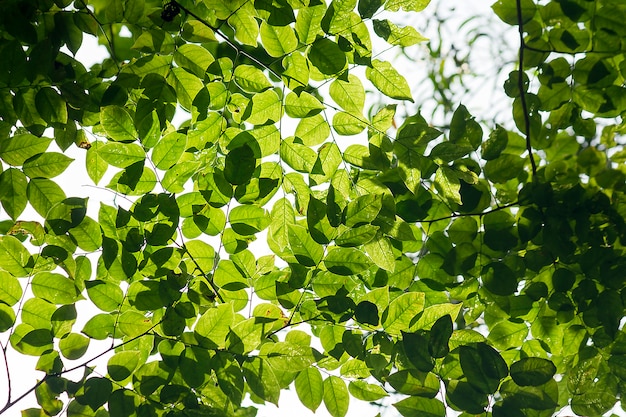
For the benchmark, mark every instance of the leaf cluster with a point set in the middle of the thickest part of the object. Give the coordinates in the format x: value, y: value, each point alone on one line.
x: 474, y: 268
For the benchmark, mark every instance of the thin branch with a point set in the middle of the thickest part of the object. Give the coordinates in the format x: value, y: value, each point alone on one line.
x: 10, y: 404
x: 227, y: 40
x: 520, y: 84
x: 6, y: 366
x: 482, y: 213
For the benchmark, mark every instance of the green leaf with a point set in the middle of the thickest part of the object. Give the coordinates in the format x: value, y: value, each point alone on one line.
x: 361, y: 390
x: 46, y: 165
x: 121, y: 155
x: 100, y: 326
x: 497, y: 142
x: 411, y: 382
x: 532, y: 371
x: 240, y: 165
x: 187, y: 86
x: 51, y: 106
x: 483, y: 367
x: 175, y: 178
x: 416, y: 350
x: 599, y: 399
x: 299, y: 157
x: 302, y: 105
x: 121, y: 365
x: 11, y: 290
x: 349, y: 95
x: 95, y: 393
x: 278, y: 40
x: 251, y: 79
x: 438, y: 343
x: 214, y: 325
x: 264, y: 108
x: 168, y: 150
x: 118, y: 124
x: 13, y: 192
x: 507, y: 11
x: 433, y: 313
x: 348, y: 124
x: 105, y: 295
x: 357, y: 236
x: 193, y: 58
x: 248, y: 220
x: 310, y: 388
x: 346, y: 261
x: 327, y: 57
x: 418, y: 406
x: 307, y: 251
x: 132, y: 323
x: 504, y: 168
x: 394, y: 35
x: 261, y: 380
x: 287, y: 356
x: 336, y: 397
x: 388, y: 81
x: 95, y: 164
x: 499, y: 279
x: 313, y: 130
x: 17, y: 149
x: 7, y: 316
x: 507, y: 333
x: 381, y: 253
x: 55, y: 288
x: 14, y: 257
x: 73, y: 346
x: 402, y: 312
x: 363, y: 210
x: 47, y: 399
x: 30, y: 341
x: 87, y: 235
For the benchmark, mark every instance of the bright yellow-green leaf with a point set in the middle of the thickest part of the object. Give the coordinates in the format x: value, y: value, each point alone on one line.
x: 278, y: 40
x: 402, y: 312
x: 388, y: 80
x: 118, y: 124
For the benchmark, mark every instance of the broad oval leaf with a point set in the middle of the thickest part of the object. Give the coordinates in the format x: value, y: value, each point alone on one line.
x: 55, y: 288
x: 532, y: 371
x: 346, y: 261
x: 388, y: 80
x: 118, y: 124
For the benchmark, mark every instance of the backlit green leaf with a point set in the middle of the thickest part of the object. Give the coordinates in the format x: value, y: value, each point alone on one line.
x: 418, y: 406
x: 73, y: 346
x: 46, y: 165
x: 214, y: 325
x: 278, y: 40
x: 118, y: 124
x: 13, y: 186
x: 55, y: 288
x: 388, y: 81
x: 169, y: 150
x: 403, y: 311
x: 17, y: 149
x: 346, y: 261
x: 310, y: 388
x: 121, y: 155
x: 336, y: 397
x: 251, y: 79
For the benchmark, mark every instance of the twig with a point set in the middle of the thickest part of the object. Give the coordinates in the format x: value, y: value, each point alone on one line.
x: 520, y: 84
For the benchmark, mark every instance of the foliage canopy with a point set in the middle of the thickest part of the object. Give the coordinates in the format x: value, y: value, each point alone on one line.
x: 475, y: 267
